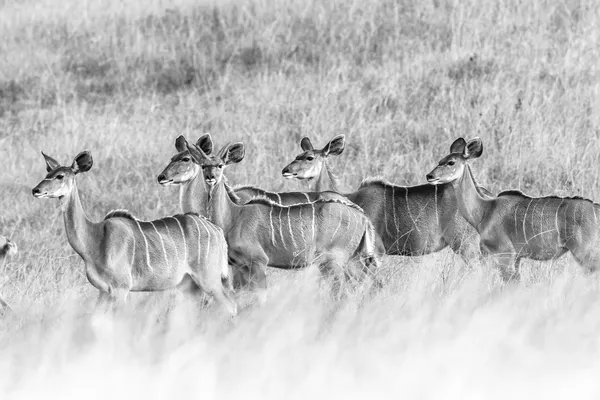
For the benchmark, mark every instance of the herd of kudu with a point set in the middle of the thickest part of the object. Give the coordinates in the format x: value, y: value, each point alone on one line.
x: 226, y: 237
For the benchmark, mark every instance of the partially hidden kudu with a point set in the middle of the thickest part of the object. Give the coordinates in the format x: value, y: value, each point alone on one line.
x: 411, y: 220
x: 8, y: 249
x: 261, y: 233
x: 513, y: 225
x: 123, y: 254
x: 192, y: 193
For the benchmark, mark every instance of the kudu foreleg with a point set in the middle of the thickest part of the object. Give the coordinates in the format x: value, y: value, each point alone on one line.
x: 509, y: 267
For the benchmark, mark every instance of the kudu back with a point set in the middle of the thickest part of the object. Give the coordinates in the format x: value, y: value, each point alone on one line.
x: 411, y: 220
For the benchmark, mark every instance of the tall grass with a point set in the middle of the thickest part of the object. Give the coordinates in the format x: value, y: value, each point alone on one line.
x: 401, y: 79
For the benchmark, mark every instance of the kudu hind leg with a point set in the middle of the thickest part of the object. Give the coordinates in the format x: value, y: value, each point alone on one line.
x: 509, y: 267
x: 332, y: 267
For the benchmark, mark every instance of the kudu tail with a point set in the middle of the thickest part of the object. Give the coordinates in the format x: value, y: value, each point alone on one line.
x: 367, y: 251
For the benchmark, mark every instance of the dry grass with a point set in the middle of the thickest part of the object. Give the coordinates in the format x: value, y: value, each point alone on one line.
x: 401, y: 79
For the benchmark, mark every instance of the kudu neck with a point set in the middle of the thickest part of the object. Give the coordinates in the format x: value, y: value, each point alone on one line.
x: 326, y: 180
x: 80, y: 230
x: 221, y: 208
x: 471, y: 204
x: 193, y: 196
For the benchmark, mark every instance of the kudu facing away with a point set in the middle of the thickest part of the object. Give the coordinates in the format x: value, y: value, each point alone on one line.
x: 7, y: 249
x: 192, y: 193
x: 411, y: 221
x: 123, y: 254
x: 513, y: 225
x: 263, y: 233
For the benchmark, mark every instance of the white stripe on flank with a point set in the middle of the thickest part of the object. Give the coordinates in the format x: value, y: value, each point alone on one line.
x: 437, y: 214
x: 185, y: 249
x: 172, y: 240
x: 278, y: 198
x: 556, y: 220
x: 408, y: 209
x: 524, y: 219
x: 394, y: 209
x: 291, y: 230
x: 280, y: 229
x: 204, y: 224
x: 357, y: 222
x: 162, y: 242
x: 341, y: 208
x: 146, y: 243
x: 272, y: 228
x: 594, y: 210
x: 385, y: 214
x: 542, y: 216
x: 301, y: 223
x: 126, y: 224
x: 312, y: 206
x: 199, y: 237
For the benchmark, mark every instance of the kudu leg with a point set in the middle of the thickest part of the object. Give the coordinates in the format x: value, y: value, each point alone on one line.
x: 218, y: 291
x: 509, y: 267
x: 332, y: 268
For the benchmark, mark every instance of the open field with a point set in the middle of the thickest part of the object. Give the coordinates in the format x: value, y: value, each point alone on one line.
x: 401, y: 79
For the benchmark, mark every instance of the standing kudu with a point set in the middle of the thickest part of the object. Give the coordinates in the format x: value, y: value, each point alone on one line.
x: 123, y: 254
x: 192, y: 193
x: 7, y: 249
x: 411, y: 221
x: 513, y: 225
x: 263, y: 233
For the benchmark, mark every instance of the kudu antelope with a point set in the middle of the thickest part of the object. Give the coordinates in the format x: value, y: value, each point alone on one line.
x: 7, y: 249
x: 123, y: 254
x: 513, y: 225
x: 263, y: 233
x: 411, y: 221
x: 192, y: 193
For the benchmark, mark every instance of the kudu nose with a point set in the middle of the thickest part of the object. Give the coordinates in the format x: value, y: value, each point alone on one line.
x: 284, y: 171
x: 35, y: 191
x: 429, y: 176
x: 161, y: 178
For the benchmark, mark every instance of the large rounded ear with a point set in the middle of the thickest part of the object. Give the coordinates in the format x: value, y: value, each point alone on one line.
x: 51, y: 163
x: 197, y: 154
x: 305, y: 144
x: 458, y: 146
x: 82, y: 162
x: 473, y: 149
x: 205, y: 143
x: 180, y: 143
x: 234, y: 153
x: 335, y: 147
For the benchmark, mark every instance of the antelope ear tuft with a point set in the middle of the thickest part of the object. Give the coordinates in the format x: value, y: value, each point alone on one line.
x: 83, y: 162
x: 474, y: 148
x: 51, y: 163
x: 458, y: 146
x: 305, y: 144
x: 180, y: 143
x: 234, y: 153
x: 205, y: 143
x: 335, y: 147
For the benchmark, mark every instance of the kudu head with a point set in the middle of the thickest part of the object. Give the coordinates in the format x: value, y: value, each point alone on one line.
x: 310, y: 162
x: 214, y: 164
x: 182, y: 168
x: 60, y: 180
x: 451, y: 167
x: 7, y: 248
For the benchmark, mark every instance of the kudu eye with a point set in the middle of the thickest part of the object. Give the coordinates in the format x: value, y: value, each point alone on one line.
x: 60, y: 177
x: 185, y: 159
x: 219, y: 166
x: 451, y: 162
x: 310, y: 158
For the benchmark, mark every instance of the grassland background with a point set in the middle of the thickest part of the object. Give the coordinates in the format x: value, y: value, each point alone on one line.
x: 401, y: 79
